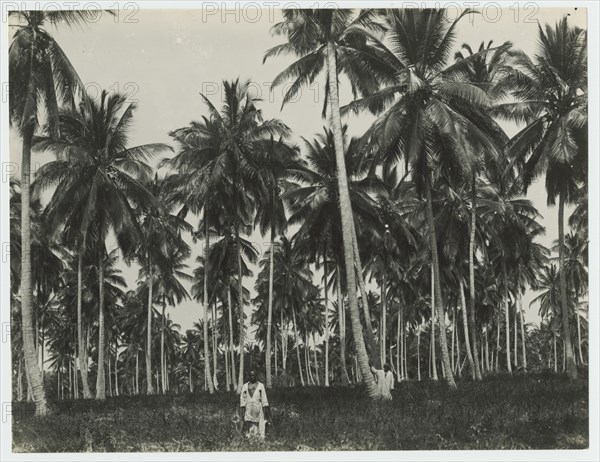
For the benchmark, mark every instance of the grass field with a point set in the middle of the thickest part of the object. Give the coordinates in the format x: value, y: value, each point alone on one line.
x: 541, y: 411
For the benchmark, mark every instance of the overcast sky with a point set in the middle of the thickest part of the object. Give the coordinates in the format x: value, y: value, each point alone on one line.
x: 163, y: 58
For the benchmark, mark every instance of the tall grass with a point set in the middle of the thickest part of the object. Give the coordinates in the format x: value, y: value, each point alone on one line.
x: 540, y: 411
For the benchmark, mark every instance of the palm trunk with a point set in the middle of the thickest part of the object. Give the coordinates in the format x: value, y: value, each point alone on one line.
x: 297, y: 345
x: 214, y: 343
x: 316, y: 361
x: 32, y: 369
x: 487, y: 349
x: 523, y: 345
x: 515, y: 339
x: 327, y: 331
x: 371, y: 343
x: 506, y: 317
x: 438, y: 289
x: 100, y: 379
x: 570, y: 358
x: 208, y: 375
x: 472, y: 322
x: 347, y: 221
x: 497, y: 343
x: 432, y: 356
x: 398, y: 343
x: 405, y: 350
x: 137, y: 372
x: 383, y: 319
x: 555, y: 356
x: 453, y: 343
x: 309, y: 376
x: 283, y: 343
x: 162, y: 346
x: 581, y: 360
x: 270, y: 312
x: 82, y: 358
x: 419, y: 353
x: 241, y: 314
x: 149, y: 386
x: 231, y: 350
x: 341, y: 326
x: 466, y: 330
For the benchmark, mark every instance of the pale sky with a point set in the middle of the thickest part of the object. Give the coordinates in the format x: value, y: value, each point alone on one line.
x: 168, y: 56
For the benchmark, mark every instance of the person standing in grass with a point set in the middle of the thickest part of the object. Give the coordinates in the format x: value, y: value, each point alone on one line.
x: 385, y: 381
x: 254, y: 407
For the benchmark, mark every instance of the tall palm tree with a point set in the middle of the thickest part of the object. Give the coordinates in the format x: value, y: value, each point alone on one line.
x: 430, y: 114
x: 99, y: 185
x: 551, y: 98
x: 331, y: 40
x: 281, y: 162
x: 42, y: 77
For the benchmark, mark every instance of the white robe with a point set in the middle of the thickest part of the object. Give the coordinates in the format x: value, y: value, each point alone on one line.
x: 254, y: 405
x: 383, y: 383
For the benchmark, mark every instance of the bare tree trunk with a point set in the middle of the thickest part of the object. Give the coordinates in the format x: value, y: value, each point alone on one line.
x: 370, y: 340
x: 383, y: 334
x: 487, y: 349
x: 466, y: 331
x: 231, y: 350
x: 398, y: 343
x: 316, y: 360
x: 506, y: 317
x: 241, y: 313
x: 270, y: 312
x: 283, y: 343
x: 309, y: 376
x: 32, y: 369
x: 341, y: 327
x: 214, y: 343
x: 555, y: 356
x: 82, y: 358
x: 453, y: 346
x: 419, y: 353
x: 570, y: 357
x: 347, y: 221
x: 523, y: 345
x: 297, y: 345
x: 581, y: 360
x: 137, y: 372
x: 149, y: 387
x: 207, y: 373
x: 327, y: 329
x: 432, y: 361
x: 497, y: 343
x: 162, y: 346
x: 472, y: 322
x: 515, y: 338
x: 100, y: 379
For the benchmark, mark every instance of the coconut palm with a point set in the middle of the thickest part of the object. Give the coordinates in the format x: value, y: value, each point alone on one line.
x: 331, y: 40
x: 551, y: 98
x: 99, y: 184
x: 43, y: 78
x: 431, y: 115
x: 281, y: 163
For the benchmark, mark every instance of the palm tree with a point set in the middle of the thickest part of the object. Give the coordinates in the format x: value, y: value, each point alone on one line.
x: 551, y: 98
x: 431, y: 114
x: 99, y: 184
x: 331, y: 40
x: 44, y: 78
x: 280, y: 162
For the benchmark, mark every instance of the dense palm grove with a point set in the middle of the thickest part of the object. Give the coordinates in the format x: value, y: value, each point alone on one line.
x: 412, y: 244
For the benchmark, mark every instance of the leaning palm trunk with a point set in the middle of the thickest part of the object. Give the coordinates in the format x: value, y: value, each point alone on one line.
x: 241, y: 314
x: 32, y: 370
x: 347, y: 222
x: 81, y: 357
x: 472, y: 323
x: 438, y: 289
x: 149, y: 386
x: 297, y: 345
x: 506, y: 318
x: 270, y: 311
x: 466, y: 330
x: 100, y: 380
x: 208, y: 375
x: 372, y: 344
x: 342, y: 328
x: 569, y: 357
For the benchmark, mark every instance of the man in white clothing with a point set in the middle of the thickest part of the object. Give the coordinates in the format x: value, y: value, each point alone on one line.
x: 254, y: 407
x: 385, y: 381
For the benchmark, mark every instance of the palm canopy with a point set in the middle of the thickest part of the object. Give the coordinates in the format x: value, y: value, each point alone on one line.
x: 430, y: 111
x: 309, y: 31
x: 550, y: 94
x: 99, y: 180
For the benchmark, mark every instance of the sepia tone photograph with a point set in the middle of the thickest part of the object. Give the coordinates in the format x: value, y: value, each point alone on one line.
x: 293, y: 227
